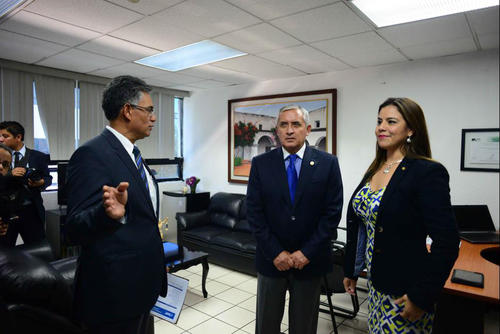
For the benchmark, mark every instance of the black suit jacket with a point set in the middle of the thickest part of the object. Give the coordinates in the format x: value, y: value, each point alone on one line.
x: 416, y: 203
x: 121, y: 270
x: 40, y: 161
x: 308, y: 224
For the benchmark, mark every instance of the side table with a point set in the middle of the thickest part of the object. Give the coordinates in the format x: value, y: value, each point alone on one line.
x: 189, y: 259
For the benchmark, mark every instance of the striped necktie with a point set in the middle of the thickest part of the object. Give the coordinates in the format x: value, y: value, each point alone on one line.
x: 17, y: 158
x: 140, y: 166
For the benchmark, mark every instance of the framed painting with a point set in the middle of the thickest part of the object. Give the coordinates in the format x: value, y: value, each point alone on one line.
x: 480, y: 150
x: 252, y: 126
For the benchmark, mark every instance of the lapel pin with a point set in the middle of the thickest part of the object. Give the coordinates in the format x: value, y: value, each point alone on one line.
x: 311, y: 163
x: 403, y: 168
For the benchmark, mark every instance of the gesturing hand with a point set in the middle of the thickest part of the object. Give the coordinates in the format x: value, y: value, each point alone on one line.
x: 114, y: 200
x: 411, y: 311
x: 299, y: 259
x: 283, y: 261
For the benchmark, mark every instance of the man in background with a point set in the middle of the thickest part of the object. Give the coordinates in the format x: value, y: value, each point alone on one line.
x: 33, y: 167
x: 113, y: 215
x: 294, y: 204
x: 5, y: 164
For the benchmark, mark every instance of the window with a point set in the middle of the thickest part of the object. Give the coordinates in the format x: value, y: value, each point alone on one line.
x: 41, y: 142
x: 178, y: 116
x: 317, y: 123
x: 77, y: 116
x: 260, y: 126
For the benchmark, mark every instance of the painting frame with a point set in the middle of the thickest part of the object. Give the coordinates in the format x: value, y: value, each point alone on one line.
x: 479, y: 151
x: 265, y: 108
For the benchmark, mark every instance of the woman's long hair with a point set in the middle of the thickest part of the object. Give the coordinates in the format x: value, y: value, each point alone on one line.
x: 419, y: 147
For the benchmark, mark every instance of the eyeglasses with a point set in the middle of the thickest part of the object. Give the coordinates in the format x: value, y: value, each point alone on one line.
x: 149, y: 110
x: 6, y: 164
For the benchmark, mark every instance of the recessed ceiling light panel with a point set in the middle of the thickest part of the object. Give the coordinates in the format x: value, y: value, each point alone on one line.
x: 192, y: 55
x: 390, y: 12
x: 8, y: 5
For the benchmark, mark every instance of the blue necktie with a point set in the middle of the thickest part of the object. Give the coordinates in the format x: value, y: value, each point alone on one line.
x: 291, y: 174
x: 140, y: 166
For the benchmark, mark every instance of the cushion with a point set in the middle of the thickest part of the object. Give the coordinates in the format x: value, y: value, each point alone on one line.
x: 204, y: 233
x: 243, y: 226
x: 225, y: 209
x: 234, y: 240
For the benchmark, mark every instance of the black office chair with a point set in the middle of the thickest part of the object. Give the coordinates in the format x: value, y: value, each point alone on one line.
x: 333, y: 283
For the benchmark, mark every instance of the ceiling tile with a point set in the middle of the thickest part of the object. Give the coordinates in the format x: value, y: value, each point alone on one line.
x: 427, y: 31
x: 179, y: 79
x: 484, y: 21
x: 259, y: 38
x: 38, y: 26
x: 26, y: 49
x: 365, y: 49
x: 219, y: 74
x: 146, y: 7
x: 117, y: 48
x: 96, y: 15
x: 440, y: 48
x: 156, y: 33
x: 489, y: 41
x: 207, y: 17
x: 306, y: 59
x: 134, y: 69
x: 210, y: 84
x: 267, y: 10
x: 258, y: 67
x: 78, y: 61
x: 187, y: 88
x: 322, y: 23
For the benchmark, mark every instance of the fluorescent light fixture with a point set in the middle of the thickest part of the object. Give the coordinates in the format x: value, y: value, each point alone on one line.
x: 192, y: 55
x: 389, y: 12
x: 8, y: 5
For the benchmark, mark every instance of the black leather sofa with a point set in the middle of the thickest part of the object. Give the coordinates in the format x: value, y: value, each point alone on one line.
x: 222, y: 231
x: 36, y: 292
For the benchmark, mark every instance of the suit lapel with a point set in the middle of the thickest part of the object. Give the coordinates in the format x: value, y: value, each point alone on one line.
x: 306, y: 172
x: 127, y: 161
x: 279, y: 172
x: 156, y: 187
x: 393, y: 184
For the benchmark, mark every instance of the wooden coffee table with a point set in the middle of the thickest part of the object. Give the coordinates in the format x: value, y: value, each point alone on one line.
x: 189, y: 259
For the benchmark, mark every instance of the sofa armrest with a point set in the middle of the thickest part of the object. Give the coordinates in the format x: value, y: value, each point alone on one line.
x: 189, y: 220
x: 40, y: 249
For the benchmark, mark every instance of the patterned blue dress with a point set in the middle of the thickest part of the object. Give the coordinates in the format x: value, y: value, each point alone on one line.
x: 383, y: 314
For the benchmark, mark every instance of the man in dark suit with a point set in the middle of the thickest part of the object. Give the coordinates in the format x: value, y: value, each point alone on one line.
x: 33, y: 167
x: 294, y: 204
x: 113, y: 215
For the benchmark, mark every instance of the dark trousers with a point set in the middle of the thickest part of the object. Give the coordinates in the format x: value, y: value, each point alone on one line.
x: 29, y: 226
x: 303, y: 305
x: 137, y: 325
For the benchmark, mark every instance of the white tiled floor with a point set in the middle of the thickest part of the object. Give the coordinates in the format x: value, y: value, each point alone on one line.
x: 230, y: 306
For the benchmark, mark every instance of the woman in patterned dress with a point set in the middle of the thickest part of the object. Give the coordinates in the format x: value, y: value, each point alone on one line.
x: 403, y: 197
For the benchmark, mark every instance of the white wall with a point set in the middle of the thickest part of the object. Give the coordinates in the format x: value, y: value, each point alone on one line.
x: 455, y: 92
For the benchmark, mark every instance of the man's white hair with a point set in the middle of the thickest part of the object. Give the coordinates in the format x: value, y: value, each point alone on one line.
x: 303, y: 111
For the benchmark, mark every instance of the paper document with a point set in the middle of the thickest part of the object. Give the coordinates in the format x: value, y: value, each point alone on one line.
x: 170, y: 307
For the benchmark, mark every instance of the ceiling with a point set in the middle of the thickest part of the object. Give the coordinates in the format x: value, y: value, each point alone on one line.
x: 283, y: 38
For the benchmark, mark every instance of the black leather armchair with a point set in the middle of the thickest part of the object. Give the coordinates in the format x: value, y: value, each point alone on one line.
x: 222, y: 231
x: 35, y: 294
